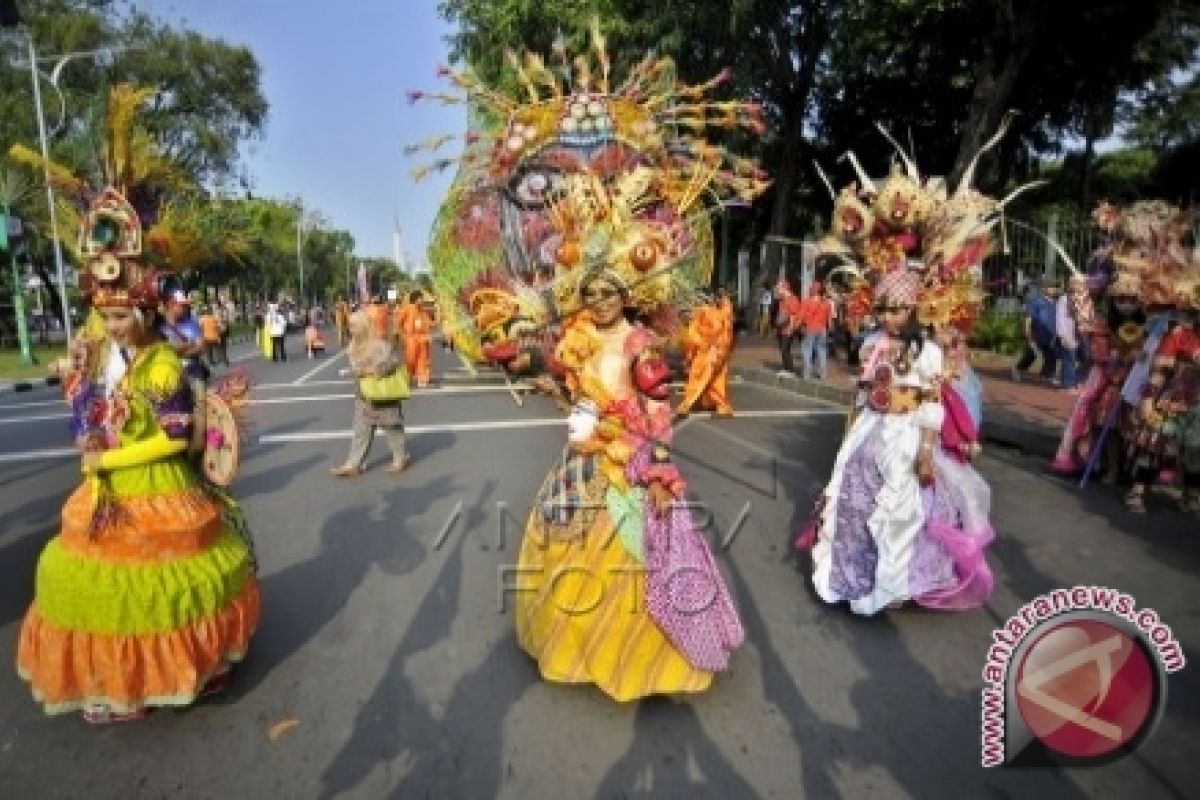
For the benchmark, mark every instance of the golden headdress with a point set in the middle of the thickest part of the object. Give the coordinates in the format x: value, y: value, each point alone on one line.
x: 1148, y: 250
x: 573, y: 171
x: 913, y: 223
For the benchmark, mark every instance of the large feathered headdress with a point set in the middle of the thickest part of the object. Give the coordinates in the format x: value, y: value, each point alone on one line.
x: 575, y: 170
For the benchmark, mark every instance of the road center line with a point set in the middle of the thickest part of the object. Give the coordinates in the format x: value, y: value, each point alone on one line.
x: 456, y: 427
x: 324, y: 365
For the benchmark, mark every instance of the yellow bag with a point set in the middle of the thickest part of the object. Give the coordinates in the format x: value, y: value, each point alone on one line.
x: 388, y: 389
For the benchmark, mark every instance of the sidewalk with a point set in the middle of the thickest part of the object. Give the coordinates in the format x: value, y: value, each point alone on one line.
x: 1028, y: 415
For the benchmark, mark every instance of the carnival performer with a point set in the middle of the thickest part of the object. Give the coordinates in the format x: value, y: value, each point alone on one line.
x: 415, y: 326
x: 1164, y: 438
x: 148, y: 595
x: 381, y: 317
x: 606, y: 527
x: 1115, y: 340
x: 904, y: 517
x: 707, y: 345
x: 341, y: 320
x: 573, y: 235
x: 372, y: 356
x: 182, y: 332
x: 901, y: 519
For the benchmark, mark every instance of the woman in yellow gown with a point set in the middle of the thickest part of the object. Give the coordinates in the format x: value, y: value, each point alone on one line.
x: 615, y: 586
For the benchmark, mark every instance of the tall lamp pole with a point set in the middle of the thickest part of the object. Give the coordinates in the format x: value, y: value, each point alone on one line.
x: 41, y: 121
x: 44, y: 139
x: 299, y: 248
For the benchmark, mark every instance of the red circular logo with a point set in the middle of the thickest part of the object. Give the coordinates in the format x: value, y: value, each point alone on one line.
x: 1085, y: 688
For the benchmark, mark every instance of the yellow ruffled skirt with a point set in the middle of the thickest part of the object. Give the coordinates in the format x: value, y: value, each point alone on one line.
x: 581, y: 613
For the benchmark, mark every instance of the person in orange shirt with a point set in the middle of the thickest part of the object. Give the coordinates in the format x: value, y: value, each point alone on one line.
x: 210, y: 332
x: 381, y: 318
x: 816, y: 312
x: 341, y: 319
x: 792, y: 325
x: 707, y: 344
x: 314, y: 340
x: 416, y: 327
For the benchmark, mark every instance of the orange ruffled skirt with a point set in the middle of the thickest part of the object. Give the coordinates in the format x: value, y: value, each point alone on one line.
x: 144, y: 612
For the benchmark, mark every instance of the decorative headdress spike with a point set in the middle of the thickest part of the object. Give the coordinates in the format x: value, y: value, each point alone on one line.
x: 868, y: 185
x: 825, y: 180
x: 968, y: 177
x: 909, y: 164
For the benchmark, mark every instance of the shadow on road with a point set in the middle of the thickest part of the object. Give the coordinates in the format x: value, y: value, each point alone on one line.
x: 300, y: 600
x: 459, y: 752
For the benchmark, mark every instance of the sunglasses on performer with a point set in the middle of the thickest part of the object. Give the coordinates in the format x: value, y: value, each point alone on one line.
x: 599, y: 294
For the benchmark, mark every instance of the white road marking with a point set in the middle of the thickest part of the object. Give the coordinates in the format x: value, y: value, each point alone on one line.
x: 34, y: 418
x: 435, y: 393
x: 38, y: 455
x: 37, y: 404
x: 509, y: 424
x: 324, y: 365
x: 453, y: 427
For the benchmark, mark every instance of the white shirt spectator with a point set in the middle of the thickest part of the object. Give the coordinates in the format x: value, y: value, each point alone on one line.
x: 1064, y: 322
x: 276, y: 323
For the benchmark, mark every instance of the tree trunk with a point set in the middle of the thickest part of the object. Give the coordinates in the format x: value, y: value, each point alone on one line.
x: 996, y: 77
x: 812, y: 43
x: 1089, y: 158
x: 785, y: 177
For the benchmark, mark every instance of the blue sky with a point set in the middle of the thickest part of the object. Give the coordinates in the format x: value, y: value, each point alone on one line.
x: 335, y: 75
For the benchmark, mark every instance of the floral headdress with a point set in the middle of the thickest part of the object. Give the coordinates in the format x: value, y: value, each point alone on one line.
x: 1147, y: 252
x: 573, y: 170
x: 910, y: 223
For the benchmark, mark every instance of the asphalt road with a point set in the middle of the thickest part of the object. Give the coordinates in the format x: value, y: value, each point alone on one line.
x: 385, y: 639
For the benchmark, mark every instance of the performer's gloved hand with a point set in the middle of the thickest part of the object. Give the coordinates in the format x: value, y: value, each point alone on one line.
x: 925, y: 465
x: 660, y: 498
x: 91, y: 462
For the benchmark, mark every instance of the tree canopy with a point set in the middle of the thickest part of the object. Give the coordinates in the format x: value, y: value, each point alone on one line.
x: 940, y: 73
x: 200, y: 102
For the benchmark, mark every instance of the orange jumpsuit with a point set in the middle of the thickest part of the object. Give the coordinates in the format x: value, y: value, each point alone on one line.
x: 416, y: 327
x: 707, y: 343
x: 381, y: 320
x: 341, y: 319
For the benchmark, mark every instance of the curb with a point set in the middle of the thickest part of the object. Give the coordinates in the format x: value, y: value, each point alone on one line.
x: 999, y: 426
x: 54, y: 380
x: 28, y: 386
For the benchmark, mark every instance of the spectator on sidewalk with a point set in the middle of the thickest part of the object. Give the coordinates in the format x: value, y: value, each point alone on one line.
x: 766, y: 302
x: 816, y: 312
x: 1067, y: 320
x: 210, y: 331
x: 276, y: 325
x: 1040, y: 314
x: 789, y: 324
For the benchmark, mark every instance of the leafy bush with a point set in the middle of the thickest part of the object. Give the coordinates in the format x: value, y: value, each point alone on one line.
x: 999, y: 332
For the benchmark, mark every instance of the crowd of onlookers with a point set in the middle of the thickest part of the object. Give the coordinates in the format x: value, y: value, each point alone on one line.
x: 1053, y: 332
x: 816, y: 321
x: 816, y: 324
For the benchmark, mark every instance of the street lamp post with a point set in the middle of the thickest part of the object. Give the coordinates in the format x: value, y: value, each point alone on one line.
x: 44, y: 139
x: 299, y: 248
x: 41, y: 121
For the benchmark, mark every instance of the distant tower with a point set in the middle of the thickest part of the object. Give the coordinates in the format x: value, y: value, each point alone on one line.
x: 398, y: 247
